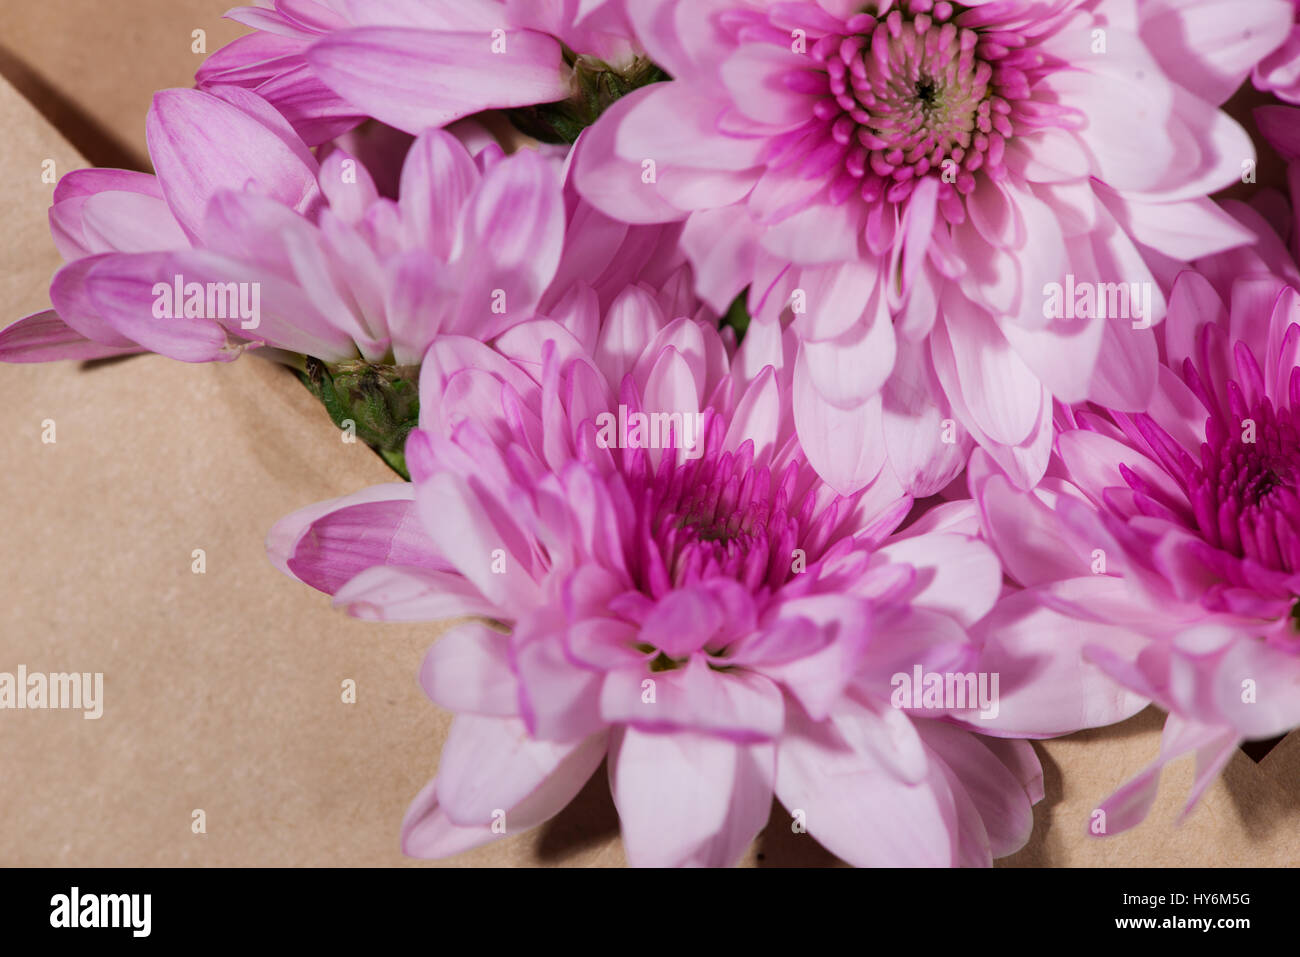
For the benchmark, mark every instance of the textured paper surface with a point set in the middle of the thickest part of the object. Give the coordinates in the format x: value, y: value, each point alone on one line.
x: 92, y: 66
x: 1249, y: 817
x: 223, y: 690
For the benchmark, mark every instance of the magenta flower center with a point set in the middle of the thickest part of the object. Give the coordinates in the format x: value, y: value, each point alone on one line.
x: 1241, y: 496
x: 914, y: 97
x: 719, y: 516
x: 929, y: 90
x: 1243, y: 492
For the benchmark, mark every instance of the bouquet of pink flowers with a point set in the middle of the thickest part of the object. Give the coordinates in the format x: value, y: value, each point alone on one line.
x: 806, y: 400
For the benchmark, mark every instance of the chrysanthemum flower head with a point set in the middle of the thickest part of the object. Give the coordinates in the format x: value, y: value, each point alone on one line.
x: 904, y: 180
x: 1172, y: 537
x: 239, y: 198
x: 673, y: 588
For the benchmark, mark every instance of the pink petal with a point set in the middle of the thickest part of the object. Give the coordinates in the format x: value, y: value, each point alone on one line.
x: 476, y: 538
x: 1186, y: 231
x: 817, y: 680
x: 845, y: 446
x: 1127, y: 368
x: 316, y: 113
x: 428, y: 833
x: 359, y: 533
x: 821, y: 774
x: 128, y: 222
x: 1033, y: 541
x: 491, y: 764
x: 285, y: 536
x: 818, y: 235
x: 682, y: 622
x: 200, y: 144
x: 997, y: 794
x: 756, y: 77
x: 1209, y: 147
x: 44, y: 337
x: 71, y: 300
x: 558, y: 699
x: 1046, y: 686
x: 88, y: 182
x: 758, y: 419
x: 1209, y: 46
x: 853, y: 368
x: 1026, y: 463
x: 721, y: 247
x: 1277, y: 124
x: 615, y: 186
x: 1192, y: 303
x: 956, y: 575
x: 688, y: 799
x: 438, y: 179
x: 914, y: 414
x: 742, y: 706
x: 468, y: 671
x: 410, y: 593
x: 632, y: 321
x: 414, y: 79
x: 684, y: 38
x: 347, y: 185
x: 120, y: 289
x: 513, y: 237
x: 1129, y: 147
x: 1003, y: 395
x: 1129, y: 805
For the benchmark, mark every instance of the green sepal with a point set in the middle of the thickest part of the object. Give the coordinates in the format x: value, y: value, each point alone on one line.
x: 381, y: 402
x: 737, y: 316
x: 596, y: 86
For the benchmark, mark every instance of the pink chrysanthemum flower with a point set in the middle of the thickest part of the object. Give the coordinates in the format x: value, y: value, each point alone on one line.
x: 326, y: 266
x: 328, y: 64
x: 906, y: 179
x: 327, y: 273
x: 1172, y: 537
x: 694, y: 605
